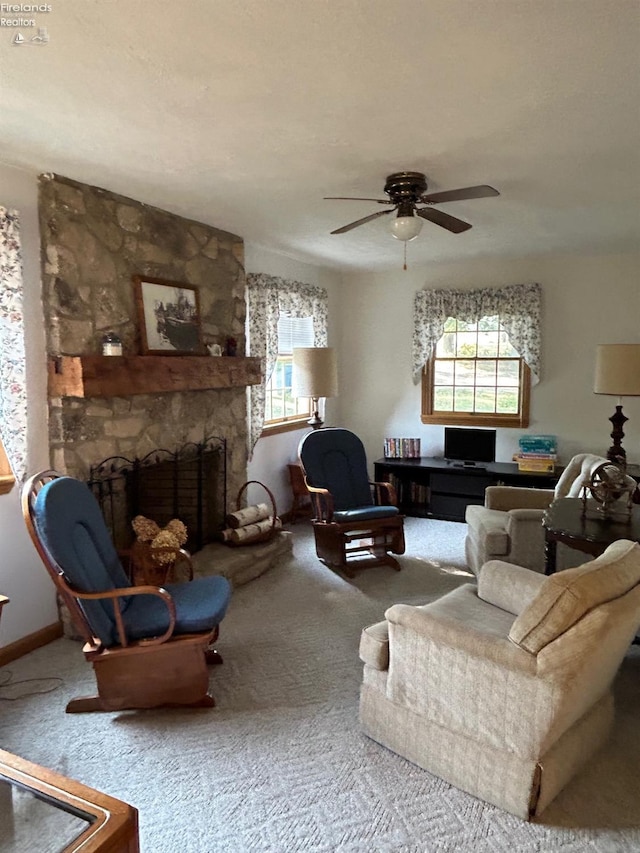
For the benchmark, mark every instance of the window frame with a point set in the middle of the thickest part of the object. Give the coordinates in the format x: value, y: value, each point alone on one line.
x: 290, y: 422
x: 487, y: 419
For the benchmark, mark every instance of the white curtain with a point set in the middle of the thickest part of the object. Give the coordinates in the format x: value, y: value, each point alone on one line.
x: 13, y: 397
x: 519, y: 307
x: 268, y: 297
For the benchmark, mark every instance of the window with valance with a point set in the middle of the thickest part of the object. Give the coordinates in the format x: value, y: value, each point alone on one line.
x: 477, y: 352
x: 269, y: 299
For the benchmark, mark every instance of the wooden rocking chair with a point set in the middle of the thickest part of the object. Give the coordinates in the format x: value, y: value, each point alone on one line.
x: 149, y: 645
x: 356, y: 522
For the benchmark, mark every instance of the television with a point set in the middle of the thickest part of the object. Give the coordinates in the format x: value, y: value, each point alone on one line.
x: 470, y: 446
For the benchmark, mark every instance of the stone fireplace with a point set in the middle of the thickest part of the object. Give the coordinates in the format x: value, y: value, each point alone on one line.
x: 93, y: 242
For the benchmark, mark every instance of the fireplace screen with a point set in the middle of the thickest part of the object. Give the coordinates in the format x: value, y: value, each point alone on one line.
x: 189, y: 483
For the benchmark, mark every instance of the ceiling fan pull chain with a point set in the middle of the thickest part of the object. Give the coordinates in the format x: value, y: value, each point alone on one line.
x: 405, y: 257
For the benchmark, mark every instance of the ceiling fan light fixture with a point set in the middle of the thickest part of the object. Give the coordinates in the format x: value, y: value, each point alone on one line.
x: 406, y: 227
x: 408, y: 189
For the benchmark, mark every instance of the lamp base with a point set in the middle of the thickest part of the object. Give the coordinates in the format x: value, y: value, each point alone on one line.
x: 616, y: 453
x: 315, y: 421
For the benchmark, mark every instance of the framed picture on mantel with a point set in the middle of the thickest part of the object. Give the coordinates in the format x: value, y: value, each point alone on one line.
x: 169, y: 317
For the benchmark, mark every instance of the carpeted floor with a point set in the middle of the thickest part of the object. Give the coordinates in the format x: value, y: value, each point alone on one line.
x: 280, y: 764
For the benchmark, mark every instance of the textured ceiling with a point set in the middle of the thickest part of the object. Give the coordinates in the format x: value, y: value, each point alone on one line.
x: 245, y: 113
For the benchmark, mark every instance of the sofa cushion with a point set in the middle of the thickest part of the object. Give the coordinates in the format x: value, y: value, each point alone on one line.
x: 567, y: 596
x: 491, y: 526
x: 374, y: 645
x: 510, y: 587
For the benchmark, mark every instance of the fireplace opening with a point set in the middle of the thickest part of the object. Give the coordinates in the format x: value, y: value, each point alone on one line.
x: 189, y: 483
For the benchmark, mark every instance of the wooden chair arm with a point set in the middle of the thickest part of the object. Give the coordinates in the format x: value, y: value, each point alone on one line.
x: 385, y: 494
x: 123, y: 592
x: 322, y: 501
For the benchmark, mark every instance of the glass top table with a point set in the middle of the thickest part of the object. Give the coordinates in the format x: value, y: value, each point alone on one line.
x: 30, y: 820
x: 45, y: 811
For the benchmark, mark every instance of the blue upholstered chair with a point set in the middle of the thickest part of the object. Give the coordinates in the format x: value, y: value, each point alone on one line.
x: 356, y: 522
x: 149, y: 645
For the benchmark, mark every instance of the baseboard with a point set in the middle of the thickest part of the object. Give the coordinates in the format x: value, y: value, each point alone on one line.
x: 32, y: 641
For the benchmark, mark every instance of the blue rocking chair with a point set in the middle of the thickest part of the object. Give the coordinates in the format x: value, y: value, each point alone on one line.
x: 149, y: 645
x: 356, y: 522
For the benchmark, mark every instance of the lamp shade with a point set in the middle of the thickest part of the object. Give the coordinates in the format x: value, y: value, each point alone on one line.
x: 315, y: 372
x: 618, y: 370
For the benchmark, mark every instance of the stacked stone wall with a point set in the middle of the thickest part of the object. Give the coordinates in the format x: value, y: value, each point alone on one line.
x: 93, y: 242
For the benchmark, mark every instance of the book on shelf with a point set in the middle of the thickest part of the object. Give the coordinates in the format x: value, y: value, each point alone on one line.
x: 525, y: 454
x: 419, y: 494
x: 402, y: 448
x: 540, y: 463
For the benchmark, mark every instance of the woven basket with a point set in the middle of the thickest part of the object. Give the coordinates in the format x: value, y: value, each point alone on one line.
x: 260, y: 537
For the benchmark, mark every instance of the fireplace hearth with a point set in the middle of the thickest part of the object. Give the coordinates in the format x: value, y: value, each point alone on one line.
x: 189, y: 483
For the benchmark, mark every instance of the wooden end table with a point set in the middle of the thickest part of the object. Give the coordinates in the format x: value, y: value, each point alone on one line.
x: 590, y: 533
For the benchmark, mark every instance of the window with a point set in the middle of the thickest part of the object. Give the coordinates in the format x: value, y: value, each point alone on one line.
x: 476, y: 377
x: 269, y: 299
x: 282, y: 409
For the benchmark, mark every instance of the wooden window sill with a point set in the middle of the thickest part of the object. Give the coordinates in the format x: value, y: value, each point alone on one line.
x: 474, y: 419
x: 287, y: 426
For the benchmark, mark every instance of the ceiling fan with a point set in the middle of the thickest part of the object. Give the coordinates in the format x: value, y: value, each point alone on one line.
x: 406, y: 190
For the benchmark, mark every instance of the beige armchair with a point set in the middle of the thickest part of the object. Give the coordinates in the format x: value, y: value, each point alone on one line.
x: 504, y: 689
x: 509, y: 525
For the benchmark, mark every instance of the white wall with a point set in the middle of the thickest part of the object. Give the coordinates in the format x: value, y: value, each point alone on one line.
x: 22, y: 575
x: 586, y: 301
x: 273, y: 452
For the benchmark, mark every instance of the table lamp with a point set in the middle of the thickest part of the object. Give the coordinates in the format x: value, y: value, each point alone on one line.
x: 315, y: 375
x: 617, y: 374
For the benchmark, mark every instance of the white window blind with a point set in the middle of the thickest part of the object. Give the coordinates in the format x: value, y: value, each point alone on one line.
x: 294, y: 332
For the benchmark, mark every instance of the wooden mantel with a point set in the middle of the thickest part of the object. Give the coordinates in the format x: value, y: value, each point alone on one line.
x: 122, y: 376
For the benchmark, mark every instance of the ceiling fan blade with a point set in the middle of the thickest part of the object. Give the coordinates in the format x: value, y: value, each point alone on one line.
x: 351, y: 198
x: 483, y: 191
x: 360, y: 221
x: 456, y: 226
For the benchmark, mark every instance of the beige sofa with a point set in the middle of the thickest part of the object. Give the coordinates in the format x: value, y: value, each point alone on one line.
x: 509, y: 525
x: 504, y: 689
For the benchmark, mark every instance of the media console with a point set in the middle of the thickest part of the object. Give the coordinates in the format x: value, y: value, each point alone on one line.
x: 435, y: 488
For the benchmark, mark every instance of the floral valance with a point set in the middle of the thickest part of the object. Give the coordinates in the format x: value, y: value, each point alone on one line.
x: 13, y: 397
x: 518, y: 305
x: 268, y: 297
